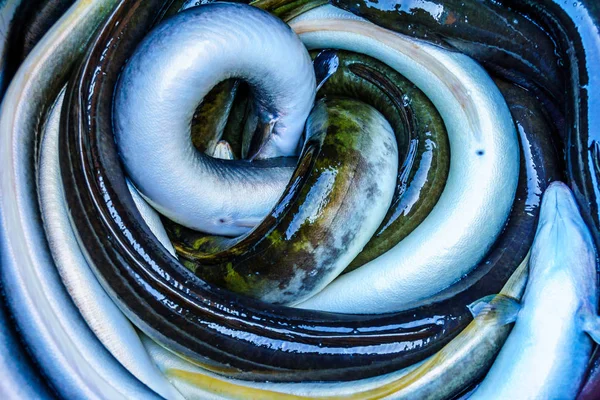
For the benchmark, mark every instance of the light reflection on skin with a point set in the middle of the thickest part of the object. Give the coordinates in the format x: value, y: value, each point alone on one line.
x: 316, y: 199
x: 435, y: 10
x: 413, y: 193
x: 533, y: 186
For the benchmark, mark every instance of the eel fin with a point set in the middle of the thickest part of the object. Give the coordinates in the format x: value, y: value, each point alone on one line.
x: 591, y: 325
x: 504, y: 309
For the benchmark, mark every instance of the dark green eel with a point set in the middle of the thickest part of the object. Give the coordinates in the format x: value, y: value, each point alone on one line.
x: 421, y: 136
x: 349, y: 160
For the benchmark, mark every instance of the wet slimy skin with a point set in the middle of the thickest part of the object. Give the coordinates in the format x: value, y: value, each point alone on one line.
x: 169, y: 74
x: 134, y: 267
x: 352, y: 162
x: 461, y: 363
x: 507, y: 43
x: 476, y: 201
x: 144, y: 252
x: 421, y: 178
x: 422, y: 141
x: 549, y: 47
x: 540, y: 165
x: 29, y: 23
x: 71, y: 357
x: 95, y: 306
x: 167, y: 302
x: 547, y: 352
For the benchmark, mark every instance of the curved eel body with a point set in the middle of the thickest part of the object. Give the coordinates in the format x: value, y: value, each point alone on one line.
x: 421, y: 138
x: 461, y: 363
x: 147, y: 282
x: 153, y: 111
x: 473, y: 207
x: 353, y: 161
x: 423, y: 151
x: 30, y: 22
x: 95, y: 305
x: 8, y: 11
x: 70, y: 356
x: 422, y: 141
x: 505, y: 42
x: 547, y: 352
x: 536, y: 37
x: 576, y: 26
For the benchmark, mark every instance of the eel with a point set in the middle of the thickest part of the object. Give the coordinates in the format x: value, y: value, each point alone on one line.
x: 22, y: 378
x: 420, y: 132
x: 556, y: 47
x: 134, y: 267
x: 540, y: 165
x: 153, y: 110
x: 31, y: 20
x: 352, y: 160
x: 588, y: 48
x: 95, y: 305
x: 547, y: 352
x: 8, y: 10
x: 482, y: 180
x: 575, y: 26
x: 74, y: 362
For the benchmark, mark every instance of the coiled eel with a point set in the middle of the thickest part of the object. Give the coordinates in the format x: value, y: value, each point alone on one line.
x: 446, y: 221
x: 509, y: 44
x: 422, y: 142
x: 105, y: 219
x: 423, y: 152
x: 170, y: 73
x: 404, y: 386
x: 96, y: 307
x: 459, y: 364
